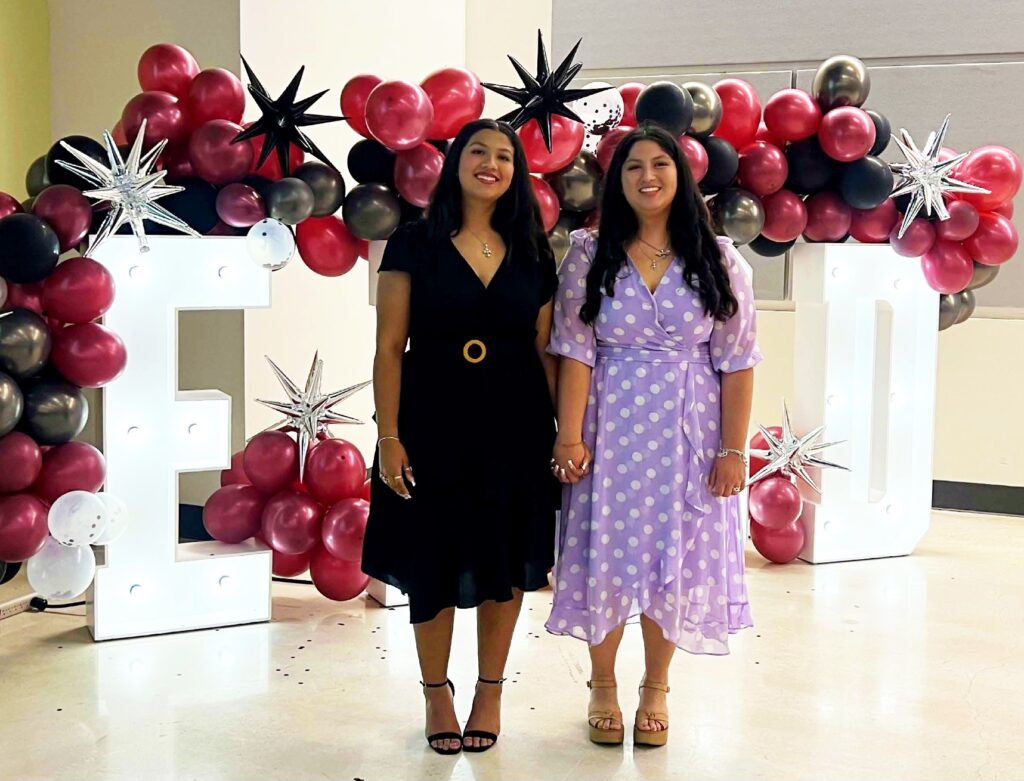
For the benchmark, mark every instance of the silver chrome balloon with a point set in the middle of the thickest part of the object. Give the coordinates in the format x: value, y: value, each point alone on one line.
x: 983, y: 275
x: 949, y: 310
x: 707, y: 109
x: 579, y: 185
x: 739, y: 214
x: 841, y: 81
x: 966, y: 302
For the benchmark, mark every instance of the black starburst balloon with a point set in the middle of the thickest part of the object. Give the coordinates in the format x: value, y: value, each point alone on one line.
x: 546, y: 93
x: 282, y: 119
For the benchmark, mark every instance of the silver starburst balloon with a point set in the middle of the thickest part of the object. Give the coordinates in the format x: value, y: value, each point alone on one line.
x: 791, y: 455
x: 308, y: 412
x: 926, y: 177
x: 131, y: 187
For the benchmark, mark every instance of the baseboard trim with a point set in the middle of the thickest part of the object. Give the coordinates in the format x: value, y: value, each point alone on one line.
x: 978, y: 498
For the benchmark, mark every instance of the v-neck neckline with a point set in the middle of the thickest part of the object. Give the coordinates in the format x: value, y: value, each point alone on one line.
x: 643, y: 282
x: 469, y: 266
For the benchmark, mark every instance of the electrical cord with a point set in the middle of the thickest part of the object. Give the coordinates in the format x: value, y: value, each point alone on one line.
x: 41, y: 605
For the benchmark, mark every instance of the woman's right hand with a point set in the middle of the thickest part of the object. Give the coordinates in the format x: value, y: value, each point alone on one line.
x: 395, y: 471
x: 570, y: 463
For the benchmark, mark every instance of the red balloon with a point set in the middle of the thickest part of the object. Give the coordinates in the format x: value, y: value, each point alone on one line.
x: 696, y: 156
x: 118, y: 133
x: 1006, y: 209
x: 214, y: 157
x: 9, y: 205
x: 235, y: 475
x: 78, y: 291
x: 326, y: 245
x: 88, y: 354
x: 609, y: 143
x: 547, y: 200
x: 167, y: 67
x: 846, y: 134
x: 947, y: 266
x: 873, y: 226
x: 291, y: 522
x: 271, y: 461
x: 758, y: 442
x: 775, y: 502
x: 23, y: 527
x: 234, y: 513
x: 240, y: 206
x: 593, y: 220
x: 335, y: 470
x: 176, y: 162
x: 417, y: 171
x: 567, y: 136
x: 21, y: 461
x: 918, y: 239
x: 828, y: 217
x: 215, y: 93
x: 67, y: 211
x: 995, y: 168
x: 764, y: 134
x: 288, y: 566
x: 780, y: 546
x: 364, y: 249
x: 165, y: 118
x: 763, y: 168
x: 353, y: 101
x: 946, y: 153
x: 399, y: 114
x: 27, y: 296
x: 741, y: 112
x: 792, y: 115
x: 994, y: 242
x: 336, y: 579
x: 962, y: 222
x: 785, y: 216
x: 457, y: 97
x: 344, y: 528
x: 75, y: 466
x: 630, y: 92
x: 366, y: 490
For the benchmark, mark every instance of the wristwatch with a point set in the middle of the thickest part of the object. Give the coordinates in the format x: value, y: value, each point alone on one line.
x: 726, y: 451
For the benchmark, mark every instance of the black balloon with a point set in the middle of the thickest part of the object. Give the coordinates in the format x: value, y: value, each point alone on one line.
x: 327, y: 185
x: 770, y: 249
x: 810, y: 169
x: 87, y: 146
x: 196, y: 205
x: 36, y: 179
x: 25, y: 343
x: 29, y: 248
x: 8, y: 570
x: 55, y: 412
x: 883, y: 133
x: 666, y: 104
x: 723, y: 164
x: 579, y: 186
x: 903, y: 203
x: 371, y: 212
x: 866, y: 183
x: 290, y: 200
x: 371, y: 162
x: 260, y: 184
x: 12, y: 404
x: 571, y: 220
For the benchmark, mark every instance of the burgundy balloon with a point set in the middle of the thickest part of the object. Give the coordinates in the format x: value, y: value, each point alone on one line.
x: 240, y: 206
x: 271, y: 461
x: 234, y: 513
x: 995, y: 168
x: 75, y: 466
x: 235, y: 474
x: 630, y: 92
x: 335, y: 470
x: 27, y: 296
x: 176, y: 162
x: 79, y: 290
x: 696, y: 156
x: 994, y: 242
x: 336, y: 579
x: 917, y: 240
x: 399, y: 114
x: 792, y: 115
x: 1006, y: 209
x: 344, y: 527
x: 366, y: 490
x: 9, y: 205
x: 215, y: 93
x: 291, y: 522
x: 758, y: 442
x: 873, y: 226
x: 23, y: 527
x: 780, y: 546
x: 118, y: 133
x: 353, y: 101
x: 165, y: 118
x: 286, y: 565
x: 67, y: 211
x: 21, y: 461
x: 846, y: 133
x: 167, y: 67
x: 963, y: 221
x: 457, y: 97
x: 214, y: 157
x: 947, y: 266
x: 547, y: 200
x: 609, y: 143
x: 764, y: 134
x: 828, y: 217
x: 775, y: 502
x: 763, y: 168
x: 741, y: 111
x: 88, y: 354
x: 785, y: 216
x: 417, y: 171
x: 326, y: 245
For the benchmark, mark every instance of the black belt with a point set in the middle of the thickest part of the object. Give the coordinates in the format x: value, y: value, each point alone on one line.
x: 472, y: 351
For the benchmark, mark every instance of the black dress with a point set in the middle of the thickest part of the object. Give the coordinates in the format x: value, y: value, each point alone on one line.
x: 476, y: 419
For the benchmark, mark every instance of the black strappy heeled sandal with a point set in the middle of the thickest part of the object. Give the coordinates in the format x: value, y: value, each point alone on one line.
x: 479, y: 733
x: 443, y: 735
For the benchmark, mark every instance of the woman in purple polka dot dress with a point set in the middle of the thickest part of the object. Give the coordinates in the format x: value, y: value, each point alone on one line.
x: 655, y: 323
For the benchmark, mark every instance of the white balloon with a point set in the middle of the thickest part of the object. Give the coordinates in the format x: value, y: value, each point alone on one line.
x: 77, y: 518
x: 60, y: 572
x: 601, y: 111
x: 117, y: 518
x: 590, y: 142
x: 271, y: 243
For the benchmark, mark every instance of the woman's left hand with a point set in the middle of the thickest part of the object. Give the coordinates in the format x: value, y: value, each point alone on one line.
x: 728, y: 476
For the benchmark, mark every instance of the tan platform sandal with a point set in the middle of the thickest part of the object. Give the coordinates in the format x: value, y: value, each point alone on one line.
x: 644, y: 737
x: 605, y: 737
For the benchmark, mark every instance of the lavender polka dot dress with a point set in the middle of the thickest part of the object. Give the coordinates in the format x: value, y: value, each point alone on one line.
x: 642, y: 532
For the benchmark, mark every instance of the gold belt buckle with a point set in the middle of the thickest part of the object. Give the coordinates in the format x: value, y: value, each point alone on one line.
x: 474, y: 343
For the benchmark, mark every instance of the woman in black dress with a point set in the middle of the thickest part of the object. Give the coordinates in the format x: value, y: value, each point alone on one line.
x: 463, y: 503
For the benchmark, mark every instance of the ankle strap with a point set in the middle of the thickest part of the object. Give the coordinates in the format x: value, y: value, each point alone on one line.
x: 662, y: 687
x: 498, y: 682
x: 445, y: 682
x: 602, y: 685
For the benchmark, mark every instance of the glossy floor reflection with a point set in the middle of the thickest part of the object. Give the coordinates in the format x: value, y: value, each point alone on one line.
x: 899, y: 668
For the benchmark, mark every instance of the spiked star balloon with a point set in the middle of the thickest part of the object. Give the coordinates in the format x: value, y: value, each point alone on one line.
x: 282, y: 119
x: 926, y: 177
x: 308, y: 412
x: 791, y: 454
x: 131, y: 187
x: 546, y: 93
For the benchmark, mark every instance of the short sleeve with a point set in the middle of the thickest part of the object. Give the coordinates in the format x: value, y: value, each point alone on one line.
x: 734, y: 341
x: 403, y: 248
x: 570, y: 336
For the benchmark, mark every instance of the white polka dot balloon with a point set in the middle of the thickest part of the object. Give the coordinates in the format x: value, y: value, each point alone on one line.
x: 271, y: 244
x: 117, y: 518
x: 77, y: 518
x: 602, y: 111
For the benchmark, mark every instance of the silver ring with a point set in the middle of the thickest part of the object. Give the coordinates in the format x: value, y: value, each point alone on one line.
x: 737, y: 490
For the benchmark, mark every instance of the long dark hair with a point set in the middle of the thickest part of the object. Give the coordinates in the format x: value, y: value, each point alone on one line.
x: 516, y: 217
x: 689, y: 229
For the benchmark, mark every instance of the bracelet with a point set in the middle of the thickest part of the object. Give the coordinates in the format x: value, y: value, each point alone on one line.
x: 383, y: 438
x: 728, y: 451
